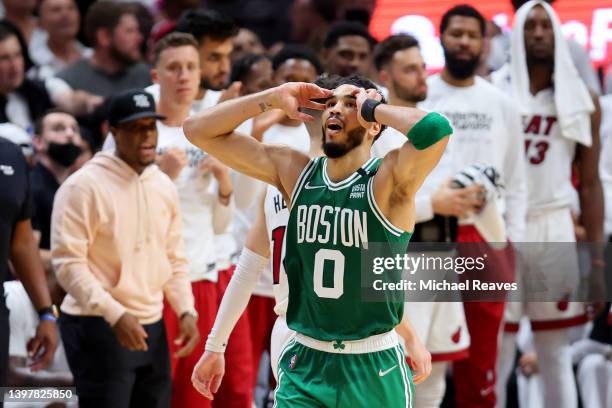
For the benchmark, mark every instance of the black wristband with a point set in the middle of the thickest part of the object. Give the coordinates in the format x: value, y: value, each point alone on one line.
x: 367, y: 109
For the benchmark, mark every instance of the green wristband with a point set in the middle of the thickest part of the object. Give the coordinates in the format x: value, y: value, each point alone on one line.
x: 429, y: 130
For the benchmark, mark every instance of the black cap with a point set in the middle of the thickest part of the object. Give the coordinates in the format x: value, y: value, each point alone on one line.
x: 131, y: 105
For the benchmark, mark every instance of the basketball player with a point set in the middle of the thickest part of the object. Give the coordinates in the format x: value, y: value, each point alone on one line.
x: 441, y: 325
x: 339, y: 205
x: 262, y: 243
x: 560, y: 127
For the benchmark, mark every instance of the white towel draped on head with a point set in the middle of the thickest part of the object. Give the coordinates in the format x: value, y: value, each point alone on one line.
x: 572, y: 99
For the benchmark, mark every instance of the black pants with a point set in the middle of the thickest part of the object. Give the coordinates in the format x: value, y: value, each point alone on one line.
x: 107, y: 374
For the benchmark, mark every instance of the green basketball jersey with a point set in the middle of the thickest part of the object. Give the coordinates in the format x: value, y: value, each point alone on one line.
x: 329, y: 226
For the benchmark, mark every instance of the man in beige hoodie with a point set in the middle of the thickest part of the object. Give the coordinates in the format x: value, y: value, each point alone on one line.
x: 117, y: 250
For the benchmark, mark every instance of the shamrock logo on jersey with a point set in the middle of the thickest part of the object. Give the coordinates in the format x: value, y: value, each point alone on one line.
x: 338, y: 345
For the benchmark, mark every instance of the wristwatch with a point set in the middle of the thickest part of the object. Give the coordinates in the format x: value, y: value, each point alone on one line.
x: 50, y: 313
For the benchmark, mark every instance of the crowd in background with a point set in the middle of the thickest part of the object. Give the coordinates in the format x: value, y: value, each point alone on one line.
x: 139, y: 256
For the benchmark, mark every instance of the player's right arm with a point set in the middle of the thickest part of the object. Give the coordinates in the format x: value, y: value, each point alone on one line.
x: 209, y: 371
x: 212, y: 130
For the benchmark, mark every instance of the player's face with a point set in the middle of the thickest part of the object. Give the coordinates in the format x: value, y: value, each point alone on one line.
x: 126, y: 40
x: 11, y: 65
x: 215, y: 63
x: 295, y: 70
x: 351, y: 55
x: 462, y: 42
x: 406, y: 75
x: 259, y: 78
x: 136, y: 142
x: 178, y: 74
x: 341, y: 129
x: 539, y: 37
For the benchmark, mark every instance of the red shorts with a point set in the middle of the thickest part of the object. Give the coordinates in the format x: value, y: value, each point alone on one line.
x: 261, y: 321
x: 474, y: 377
x: 234, y: 391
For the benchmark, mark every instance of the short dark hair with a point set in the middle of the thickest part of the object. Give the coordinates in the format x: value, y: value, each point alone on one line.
x: 173, y: 40
x: 325, y: 8
x: 38, y: 123
x: 463, y: 10
x: 204, y: 23
x: 334, y: 81
x: 384, y: 50
x: 296, y: 51
x: 242, y: 66
x: 104, y: 14
x: 517, y: 4
x: 345, y: 28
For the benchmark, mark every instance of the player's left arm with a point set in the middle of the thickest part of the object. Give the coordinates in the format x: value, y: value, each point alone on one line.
x: 589, y: 184
x: 420, y: 358
x: 403, y: 171
x: 592, y: 206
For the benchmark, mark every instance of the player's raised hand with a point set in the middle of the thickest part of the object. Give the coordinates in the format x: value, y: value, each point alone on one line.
x: 208, y: 373
x: 361, y: 95
x: 419, y: 359
x: 294, y: 95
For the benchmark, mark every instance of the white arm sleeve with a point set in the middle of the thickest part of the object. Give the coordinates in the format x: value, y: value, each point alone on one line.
x: 235, y: 299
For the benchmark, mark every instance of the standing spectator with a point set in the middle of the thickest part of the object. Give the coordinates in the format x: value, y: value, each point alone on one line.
x: 214, y: 33
x: 347, y: 49
x: 17, y: 244
x: 22, y: 100
x: 486, y: 124
x: 246, y: 42
x: 254, y: 72
x: 58, y: 47
x: 117, y: 251
x: 440, y: 325
x: 561, y: 129
x: 58, y: 144
x: 113, y: 31
x: 204, y: 188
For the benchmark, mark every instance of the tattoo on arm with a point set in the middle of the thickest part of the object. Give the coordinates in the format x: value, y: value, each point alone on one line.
x: 264, y: 106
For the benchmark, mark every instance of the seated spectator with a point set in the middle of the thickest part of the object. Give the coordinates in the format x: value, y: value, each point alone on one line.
x: 23, y: 99
x: 113, y: 31
x: 57, y: 47
x: 58, y: 145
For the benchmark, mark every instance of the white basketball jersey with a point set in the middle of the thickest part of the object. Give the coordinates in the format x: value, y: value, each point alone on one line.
x: 277, y: 215
x: 549, y: 156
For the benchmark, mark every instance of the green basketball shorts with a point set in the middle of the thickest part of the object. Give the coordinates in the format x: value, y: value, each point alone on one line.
x: 364, y: 373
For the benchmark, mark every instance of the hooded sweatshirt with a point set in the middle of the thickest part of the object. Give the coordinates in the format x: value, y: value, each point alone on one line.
x: 116, y: 242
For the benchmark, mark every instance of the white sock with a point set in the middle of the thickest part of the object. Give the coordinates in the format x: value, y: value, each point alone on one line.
x: 555, y: 366
x: 429, y: 393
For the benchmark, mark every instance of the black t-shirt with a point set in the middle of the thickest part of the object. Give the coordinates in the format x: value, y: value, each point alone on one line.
x: 602, y: 331
x: 44, y: 187
x: 15, y: 201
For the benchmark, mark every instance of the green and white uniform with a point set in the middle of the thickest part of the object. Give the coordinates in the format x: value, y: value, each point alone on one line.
x: 346, y: 352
